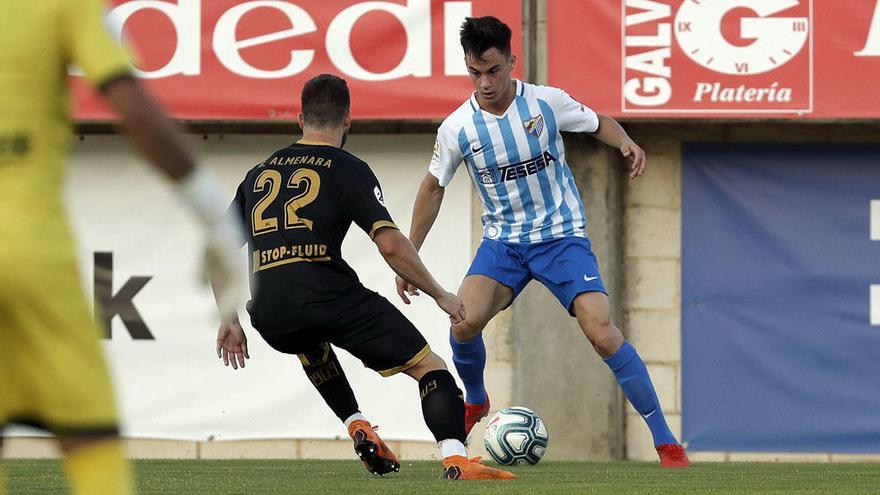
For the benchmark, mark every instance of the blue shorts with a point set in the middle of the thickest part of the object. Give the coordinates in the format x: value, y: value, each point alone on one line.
x: 566, y: 266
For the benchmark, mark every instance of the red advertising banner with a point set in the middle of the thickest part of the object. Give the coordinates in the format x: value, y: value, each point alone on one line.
x: 791, y: 59
x: 248, y: 60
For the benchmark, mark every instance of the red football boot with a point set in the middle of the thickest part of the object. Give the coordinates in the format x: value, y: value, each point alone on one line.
x: 473, y: 413
x: 672, y: 455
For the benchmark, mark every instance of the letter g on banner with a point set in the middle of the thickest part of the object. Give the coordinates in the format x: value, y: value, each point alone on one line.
x: 776, y: 39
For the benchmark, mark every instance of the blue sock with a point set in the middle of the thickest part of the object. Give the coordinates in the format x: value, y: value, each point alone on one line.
x: 632, y: 376
x: 470, y: 361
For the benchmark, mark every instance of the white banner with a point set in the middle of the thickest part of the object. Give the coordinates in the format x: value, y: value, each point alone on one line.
x: 171, y: 385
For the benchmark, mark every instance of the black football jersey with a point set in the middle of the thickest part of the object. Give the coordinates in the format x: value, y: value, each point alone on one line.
x: 297, y: 207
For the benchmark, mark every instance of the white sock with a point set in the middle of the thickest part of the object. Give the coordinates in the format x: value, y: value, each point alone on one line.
x: 354, y: 417
x: 451, y: 447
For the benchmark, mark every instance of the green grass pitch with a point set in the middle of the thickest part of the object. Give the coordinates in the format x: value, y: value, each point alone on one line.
x: 267, y: 477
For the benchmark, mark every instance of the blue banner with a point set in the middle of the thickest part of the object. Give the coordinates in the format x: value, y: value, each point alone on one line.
x: 778, y: 350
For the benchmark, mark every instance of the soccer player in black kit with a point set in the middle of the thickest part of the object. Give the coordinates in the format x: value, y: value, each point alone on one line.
x: 299, y: 204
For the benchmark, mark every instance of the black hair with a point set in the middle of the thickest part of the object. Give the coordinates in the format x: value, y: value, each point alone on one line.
x: 325, y: 101
x: 479, y: 34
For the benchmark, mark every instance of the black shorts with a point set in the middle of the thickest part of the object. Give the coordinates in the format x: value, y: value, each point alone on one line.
x: 367, y: 326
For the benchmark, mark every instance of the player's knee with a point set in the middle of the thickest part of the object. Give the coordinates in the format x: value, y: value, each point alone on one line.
x: 601, y: 332
x: 467, y: 330
x: 431, y: 362
x: 605, y: 337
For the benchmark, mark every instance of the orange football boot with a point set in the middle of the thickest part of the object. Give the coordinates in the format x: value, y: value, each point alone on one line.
x: 377, y: 457
x: 459, y: 467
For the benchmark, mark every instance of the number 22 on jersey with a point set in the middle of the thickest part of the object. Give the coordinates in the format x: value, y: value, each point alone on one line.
x: 306, y: 180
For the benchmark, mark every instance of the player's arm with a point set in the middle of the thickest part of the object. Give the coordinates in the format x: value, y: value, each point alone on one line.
x: 231, y: 342
x: 402, y: 257
x: 156, y: 137
x: 366, y: 205
x: 425, y: 209
x: 429, y: 198
x: 444, y: 162
x: 613, y: 134
x: 573, y: 116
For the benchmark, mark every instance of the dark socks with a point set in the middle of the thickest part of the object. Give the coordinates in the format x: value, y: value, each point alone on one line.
x: 326, y: 374
x: 442, y: 405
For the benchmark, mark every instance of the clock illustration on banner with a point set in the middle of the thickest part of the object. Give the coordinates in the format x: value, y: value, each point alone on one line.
x: 770, y: 42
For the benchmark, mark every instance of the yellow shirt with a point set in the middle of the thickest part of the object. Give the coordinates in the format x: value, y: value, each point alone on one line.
x: 39, y: 40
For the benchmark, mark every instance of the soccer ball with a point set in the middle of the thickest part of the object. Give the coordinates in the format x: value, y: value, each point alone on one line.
x: 516, y: 435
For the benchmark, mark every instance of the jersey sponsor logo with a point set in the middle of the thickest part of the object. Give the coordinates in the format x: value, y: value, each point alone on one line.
x: 436, y: 149
x: 379, y: 197
x: 535, y: 125
x: 263, y: 259
x: 515, y: 171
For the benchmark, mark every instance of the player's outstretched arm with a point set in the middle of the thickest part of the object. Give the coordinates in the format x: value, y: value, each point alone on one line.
x: 403, y: 258
x: 425, y: 211
x: 158, y: 139
x: 611, y: 133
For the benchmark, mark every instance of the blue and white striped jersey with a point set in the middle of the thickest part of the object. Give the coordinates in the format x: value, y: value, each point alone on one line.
x: 517, y: 163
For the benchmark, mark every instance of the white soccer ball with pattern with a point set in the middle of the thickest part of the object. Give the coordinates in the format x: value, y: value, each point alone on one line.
x: 516, y: 435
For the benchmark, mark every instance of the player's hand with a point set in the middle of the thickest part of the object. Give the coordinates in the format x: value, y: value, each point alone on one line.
x: 232, y: 344
x: 632, y: 151
x: 453, y: 306
x: 223, y: 268
x: 404, y: 288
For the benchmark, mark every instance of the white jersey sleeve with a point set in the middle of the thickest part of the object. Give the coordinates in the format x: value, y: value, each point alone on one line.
x: 447, y: 154
x: 571, y: 115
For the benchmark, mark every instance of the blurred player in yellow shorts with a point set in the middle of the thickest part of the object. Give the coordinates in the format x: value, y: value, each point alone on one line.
x: 52, y: 371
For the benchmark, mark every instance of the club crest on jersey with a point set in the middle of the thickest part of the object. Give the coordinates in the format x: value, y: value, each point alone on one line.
x: 487, y: 176
x: 535, y: 125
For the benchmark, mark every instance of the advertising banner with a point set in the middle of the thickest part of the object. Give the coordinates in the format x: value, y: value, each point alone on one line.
x: 780, y: 298
x: 793, y: 59
x: 248, y: 60
x: 140, y: 251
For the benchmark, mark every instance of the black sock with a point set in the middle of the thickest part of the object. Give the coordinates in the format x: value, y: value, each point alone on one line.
x: 326, y: 374
x: 442, y: 405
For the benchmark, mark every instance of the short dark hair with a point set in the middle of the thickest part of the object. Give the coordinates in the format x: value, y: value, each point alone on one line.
x: 325, y: 101
x: 479, y: 34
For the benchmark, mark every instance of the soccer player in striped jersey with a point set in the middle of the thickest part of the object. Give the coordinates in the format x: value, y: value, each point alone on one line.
x: 508, y: 136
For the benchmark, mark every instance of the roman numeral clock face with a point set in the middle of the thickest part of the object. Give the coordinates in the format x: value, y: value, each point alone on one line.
x: 740, y: 37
